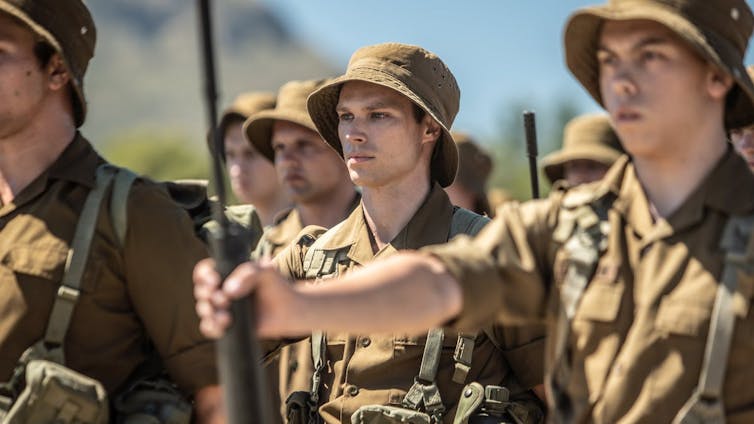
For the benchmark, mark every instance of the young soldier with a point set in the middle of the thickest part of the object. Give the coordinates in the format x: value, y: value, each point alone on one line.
x: 590, y: 147
x: 313, y: 175
x: 389, y: 116
x: 106, y: 315
x: 469, y: 189
x: 252, y: 175
x: 646, y: 276
x: 743, y: 138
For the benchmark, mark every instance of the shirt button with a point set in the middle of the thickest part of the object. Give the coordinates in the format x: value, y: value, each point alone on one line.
x: 352, y: 390
x: 365, y: 342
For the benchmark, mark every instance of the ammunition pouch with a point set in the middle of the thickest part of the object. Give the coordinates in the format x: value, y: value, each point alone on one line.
x: 54, y: 393
x: 385, y: 414
x: 490, y: 405
x: 152, y: 401
x: 300, y: 409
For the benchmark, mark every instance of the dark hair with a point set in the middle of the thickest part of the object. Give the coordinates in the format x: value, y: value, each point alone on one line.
x: 44, y: 52
x: 419, y: 113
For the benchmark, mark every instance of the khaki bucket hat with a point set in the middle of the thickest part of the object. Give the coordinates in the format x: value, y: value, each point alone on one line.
x: 290, y: 106
x: 718, y: 30
x: 411, y: 71
x: 68, y: 27
x: 585, y: 137
x: 243, y: 106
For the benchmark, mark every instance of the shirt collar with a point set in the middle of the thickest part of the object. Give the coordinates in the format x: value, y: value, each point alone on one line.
x: 430, y: 224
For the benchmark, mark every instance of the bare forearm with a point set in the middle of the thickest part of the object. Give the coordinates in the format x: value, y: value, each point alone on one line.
x: 410, y: 292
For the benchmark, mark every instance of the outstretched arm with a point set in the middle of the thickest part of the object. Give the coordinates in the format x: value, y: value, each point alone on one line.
x: 409, y: 291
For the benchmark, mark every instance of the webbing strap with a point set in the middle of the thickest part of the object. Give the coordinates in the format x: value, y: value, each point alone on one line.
x: 585, y: 236
x: 462, y: 356
x: 706, y: 403
x: 318, y: 355
x: 78, y: 254
x: 424, y: 390
x: 124, y: 179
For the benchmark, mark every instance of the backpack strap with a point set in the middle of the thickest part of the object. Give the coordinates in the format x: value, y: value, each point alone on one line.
x: 706, y: 404
x: 583, y: 230
x: 68, y: 293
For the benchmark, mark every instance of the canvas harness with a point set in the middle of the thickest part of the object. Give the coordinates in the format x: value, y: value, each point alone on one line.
x: 424, y: 393
x: 583, y: 230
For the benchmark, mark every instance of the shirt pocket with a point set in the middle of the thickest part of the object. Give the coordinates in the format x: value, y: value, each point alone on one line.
x: 681, y: 317
x: 600, y: 302
x: 44, y: 259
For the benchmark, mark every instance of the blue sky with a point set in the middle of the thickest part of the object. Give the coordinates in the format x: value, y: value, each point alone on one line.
x: 501, y: 51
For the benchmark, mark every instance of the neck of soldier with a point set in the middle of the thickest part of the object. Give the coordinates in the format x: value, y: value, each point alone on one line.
x: 669, y: 179
x: 28, y: 150
x: 269, y: 208
x: 389, y: 208
x: 326, y: 211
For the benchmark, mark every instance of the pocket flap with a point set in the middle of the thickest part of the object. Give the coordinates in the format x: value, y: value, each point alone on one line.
x: 39, y: 260
x: 601, y: 302
x: 681, y: 317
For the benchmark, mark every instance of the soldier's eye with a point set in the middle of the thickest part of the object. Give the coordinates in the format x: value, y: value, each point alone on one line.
x: 345, y: 116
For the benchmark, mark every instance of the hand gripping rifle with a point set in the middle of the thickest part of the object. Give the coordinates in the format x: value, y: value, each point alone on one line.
x: 531, y: 152
x: 238, y: 352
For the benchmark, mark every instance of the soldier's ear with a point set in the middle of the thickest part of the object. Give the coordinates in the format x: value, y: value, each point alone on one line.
x: 57, y: 72
x: 432, y: 129
x: 719, y: 83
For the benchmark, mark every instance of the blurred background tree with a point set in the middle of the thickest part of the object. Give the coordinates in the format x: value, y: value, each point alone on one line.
x: 159, y: 154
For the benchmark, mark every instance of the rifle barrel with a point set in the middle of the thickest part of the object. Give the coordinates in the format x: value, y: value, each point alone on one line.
x: 238, y: 352
x: 531, y: 151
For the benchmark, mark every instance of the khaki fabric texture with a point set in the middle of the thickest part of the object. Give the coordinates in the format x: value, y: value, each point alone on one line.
x: 68, y: 26
x: 290, y: 106
x: 411, y: 71
x: 584, y: 137
x: 379, y: 369
x: 638, y: 337
x: 124, y: 291
x: 718, y: 30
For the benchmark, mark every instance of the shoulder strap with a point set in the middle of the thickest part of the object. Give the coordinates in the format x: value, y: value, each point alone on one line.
x: 78, y: 254
x: 424, y: 391
x: 467, y: 222
x: 583, y: 230
x: 124, y: 179
x: 706, y: 404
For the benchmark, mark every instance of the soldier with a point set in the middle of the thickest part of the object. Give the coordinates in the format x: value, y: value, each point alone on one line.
x: 645, y: 276
x: 743, y: 138
x: 252, y: 175
x: 469, y: 189
x: 317, y: 180
x: 391, y: 125
x: 590, y: 147
x: 93, y: 316
x: 313, y: 175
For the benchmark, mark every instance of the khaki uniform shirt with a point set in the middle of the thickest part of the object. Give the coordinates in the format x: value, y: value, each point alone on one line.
x: 128, y: 296
x: 280, y: 234
x: 638, y: 336
x: 379, y: 369
x: 291, y: 370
